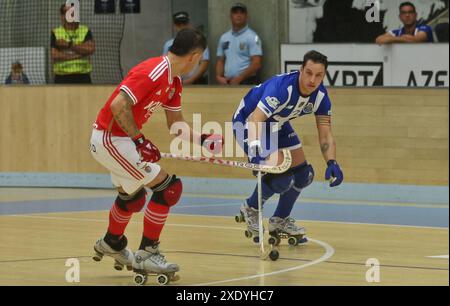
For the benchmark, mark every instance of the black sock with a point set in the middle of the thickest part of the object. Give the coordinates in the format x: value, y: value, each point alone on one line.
x: 117, y: 243
x: 145, y: 242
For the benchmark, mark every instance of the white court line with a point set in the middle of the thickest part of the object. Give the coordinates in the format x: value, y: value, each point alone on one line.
x: 331, y: 222
x: 329, y: 250
x: 209, y: 216
x: 380, y: 224
x: 438, y: 257
x: 326, y: 201
x: 208, y: 205
x: 135, y: 222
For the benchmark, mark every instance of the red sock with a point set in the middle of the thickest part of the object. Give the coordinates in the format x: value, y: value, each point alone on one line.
x: 154, y: 220
x: 118, y: 220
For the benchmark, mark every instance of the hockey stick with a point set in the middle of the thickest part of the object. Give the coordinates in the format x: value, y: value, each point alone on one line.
x: 283, y: 167
x: 271, y: 253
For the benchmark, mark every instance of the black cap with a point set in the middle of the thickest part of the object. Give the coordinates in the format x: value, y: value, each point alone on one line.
x: 239, y: 6
x: 181, y: 18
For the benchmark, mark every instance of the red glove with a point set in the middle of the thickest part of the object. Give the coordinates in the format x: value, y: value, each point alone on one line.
x: 146, y: 149
x: 212, y: 142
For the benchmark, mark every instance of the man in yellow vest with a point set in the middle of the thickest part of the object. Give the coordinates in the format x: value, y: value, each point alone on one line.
x: 72, y: 45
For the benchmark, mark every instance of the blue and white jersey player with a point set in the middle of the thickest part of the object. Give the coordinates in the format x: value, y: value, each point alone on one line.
x: 275, y: 103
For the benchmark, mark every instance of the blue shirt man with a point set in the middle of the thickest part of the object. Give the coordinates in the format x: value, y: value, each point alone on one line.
x: 281, y: 101
x: 411, y: 32
x: 419, y: 28
x: 198, y: 75
x: 239, y: 52
x: 262, y: 129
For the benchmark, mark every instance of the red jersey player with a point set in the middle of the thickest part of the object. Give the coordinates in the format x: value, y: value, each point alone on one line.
x: 118, y: 145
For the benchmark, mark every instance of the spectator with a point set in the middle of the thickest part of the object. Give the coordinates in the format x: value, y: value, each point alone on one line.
x: 198, y: 75
x: 72, y: 45
x: 411, y: 32
x: 239, y: 53
x: 17, y: 76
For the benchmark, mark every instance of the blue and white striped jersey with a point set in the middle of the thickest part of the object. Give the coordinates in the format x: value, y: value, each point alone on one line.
x: 280, y: 99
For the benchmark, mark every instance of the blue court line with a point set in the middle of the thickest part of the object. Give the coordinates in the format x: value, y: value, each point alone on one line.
x: 214, y: 206
x: 318, y: 190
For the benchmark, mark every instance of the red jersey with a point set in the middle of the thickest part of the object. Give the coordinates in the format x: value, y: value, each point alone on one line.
x: 149, y: 85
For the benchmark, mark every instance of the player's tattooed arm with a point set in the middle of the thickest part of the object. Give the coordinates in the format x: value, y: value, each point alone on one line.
x: 122, y: 111
x: 326, y: 140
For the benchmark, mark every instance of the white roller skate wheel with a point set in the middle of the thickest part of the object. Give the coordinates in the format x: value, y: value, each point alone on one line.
x: 118, y: 266
x: 163, y: 279
x: 97, y: 256
x: 140, y: 279
x: 292, y: 241
x: 248, y: 234
x: 273, y: 241
x: 238, y: 218
x: 274, y: 255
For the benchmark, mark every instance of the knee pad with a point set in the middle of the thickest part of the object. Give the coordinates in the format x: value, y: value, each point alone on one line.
x: 133, y: 203
x: 168, y: 192
x: 303, y: 175
x: 279, y: 183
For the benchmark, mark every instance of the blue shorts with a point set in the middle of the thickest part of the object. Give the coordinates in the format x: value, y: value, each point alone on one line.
x: 274, y: 140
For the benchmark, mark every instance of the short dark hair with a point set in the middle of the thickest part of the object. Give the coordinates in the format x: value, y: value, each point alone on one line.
x: 181, y: 18
x: 239, y: 7
x: 16, y: 66
x: 407, y: 3
x: 188, y: 40
x: 315, y: 57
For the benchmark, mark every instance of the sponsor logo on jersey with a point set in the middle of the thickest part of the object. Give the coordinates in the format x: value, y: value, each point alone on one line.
x: 308, y: 108
x: 151, y: 107
x: 242, y: 46
x: 292, y: 135
x: 273, y: 102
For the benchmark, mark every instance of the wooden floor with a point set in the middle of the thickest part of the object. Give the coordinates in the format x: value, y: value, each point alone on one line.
x: 214, y: 251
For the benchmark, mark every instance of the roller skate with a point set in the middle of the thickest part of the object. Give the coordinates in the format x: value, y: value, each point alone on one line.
x: 249, y: 215
x: 123, y: 258
x: 286, y: 229
x: 151, y: 262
